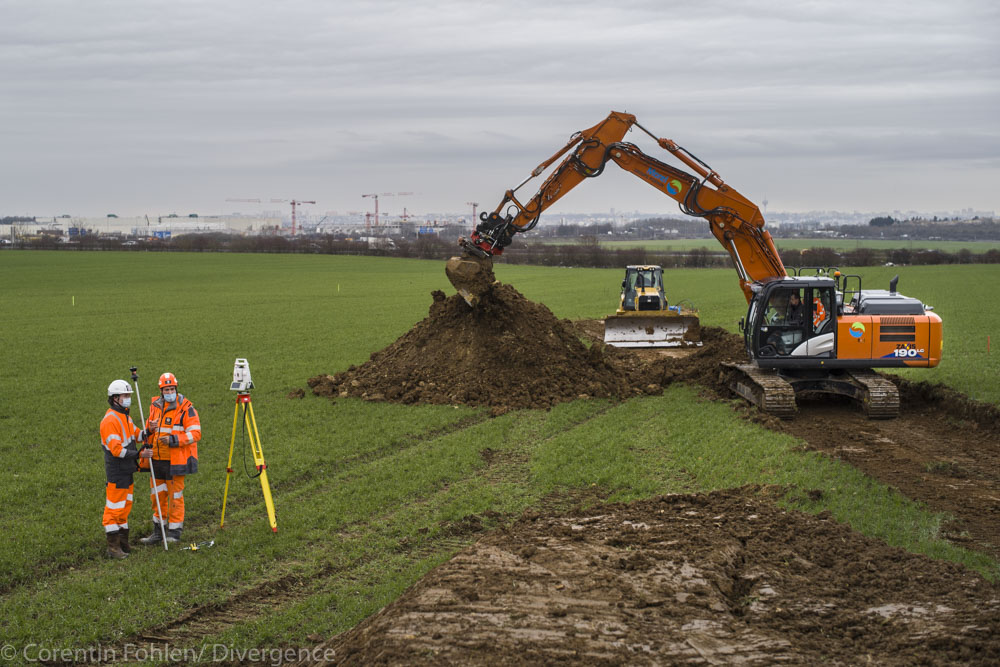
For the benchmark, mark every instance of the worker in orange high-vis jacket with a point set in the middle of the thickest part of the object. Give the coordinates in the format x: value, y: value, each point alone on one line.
x: 119, y: 437
x: 175, y: 431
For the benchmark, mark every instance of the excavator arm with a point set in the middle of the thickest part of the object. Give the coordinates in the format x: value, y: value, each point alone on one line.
x: 734, y: 220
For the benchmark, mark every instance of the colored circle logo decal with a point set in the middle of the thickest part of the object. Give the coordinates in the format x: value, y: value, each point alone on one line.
x: 673, y: 187
x: 857, y: 330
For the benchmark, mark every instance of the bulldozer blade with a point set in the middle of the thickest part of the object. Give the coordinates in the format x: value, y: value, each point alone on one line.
x: 471, y: 276
x: 652, y: 330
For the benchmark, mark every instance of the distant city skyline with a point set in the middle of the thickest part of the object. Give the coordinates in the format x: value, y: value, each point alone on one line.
x: 134, y: 108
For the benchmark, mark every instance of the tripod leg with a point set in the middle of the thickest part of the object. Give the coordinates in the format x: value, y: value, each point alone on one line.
x: 258, y: 455
x: 229, y: 464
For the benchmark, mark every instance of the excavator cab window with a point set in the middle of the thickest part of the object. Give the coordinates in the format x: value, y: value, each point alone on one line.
x: 784, y: 324
x: 797, y: 320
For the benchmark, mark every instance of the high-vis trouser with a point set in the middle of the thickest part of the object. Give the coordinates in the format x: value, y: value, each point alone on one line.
x: 117, y: 506
x: 171, y: 492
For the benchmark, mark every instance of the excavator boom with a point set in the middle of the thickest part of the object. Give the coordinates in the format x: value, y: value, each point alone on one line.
x: 734, y: 220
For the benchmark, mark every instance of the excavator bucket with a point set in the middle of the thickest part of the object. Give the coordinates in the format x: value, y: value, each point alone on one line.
x: 471, y: 276
x: 665, y: 328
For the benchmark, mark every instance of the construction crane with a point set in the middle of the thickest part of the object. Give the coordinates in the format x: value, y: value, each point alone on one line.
x: 375, y: 196
x: 474, y: 205
x: 293, y: 202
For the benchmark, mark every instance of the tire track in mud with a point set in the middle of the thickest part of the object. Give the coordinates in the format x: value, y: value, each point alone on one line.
x: 726, y: 577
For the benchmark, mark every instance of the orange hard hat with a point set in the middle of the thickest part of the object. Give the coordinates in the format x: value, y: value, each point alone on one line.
x: 168, y: 380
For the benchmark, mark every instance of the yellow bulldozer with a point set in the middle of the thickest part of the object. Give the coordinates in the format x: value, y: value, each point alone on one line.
x: 645, y: 319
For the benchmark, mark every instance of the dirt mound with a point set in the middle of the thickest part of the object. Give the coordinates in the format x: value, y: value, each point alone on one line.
x: 506, y: 353
x: 727, y: 577
x: 702, y: 367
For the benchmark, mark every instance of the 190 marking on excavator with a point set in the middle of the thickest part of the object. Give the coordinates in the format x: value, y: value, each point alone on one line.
x: 907, y: 352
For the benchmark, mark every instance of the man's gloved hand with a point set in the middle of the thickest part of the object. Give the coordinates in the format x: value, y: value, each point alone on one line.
x: 146, y: 452
x: 163, y: 440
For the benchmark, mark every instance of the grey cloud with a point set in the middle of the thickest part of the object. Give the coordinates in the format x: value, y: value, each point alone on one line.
x: 465, y: 96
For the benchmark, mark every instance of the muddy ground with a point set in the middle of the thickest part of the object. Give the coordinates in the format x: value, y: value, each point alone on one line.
x: 720, y: 578
x: 723, y: 578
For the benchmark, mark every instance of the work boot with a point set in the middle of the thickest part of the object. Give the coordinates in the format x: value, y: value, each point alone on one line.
x: 114, y: 550
x: 156, y: 537
x: 123, y: 541
x: 173, y: 535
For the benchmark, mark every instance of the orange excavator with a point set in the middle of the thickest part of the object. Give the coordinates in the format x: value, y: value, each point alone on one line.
x: 806, y: 333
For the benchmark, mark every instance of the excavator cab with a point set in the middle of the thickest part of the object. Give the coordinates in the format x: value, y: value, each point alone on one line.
x: 792, y: 319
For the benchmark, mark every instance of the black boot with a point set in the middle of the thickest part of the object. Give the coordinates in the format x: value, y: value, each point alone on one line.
x: 173, y: 535
x: 123, y: 540
x: 156, y: 537
x: 114, y: 551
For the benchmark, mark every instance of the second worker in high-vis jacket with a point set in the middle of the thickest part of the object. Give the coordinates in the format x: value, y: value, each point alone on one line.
x: 175, y: 431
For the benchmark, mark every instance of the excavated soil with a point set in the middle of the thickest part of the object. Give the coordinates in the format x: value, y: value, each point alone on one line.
x: 506, y: 353
x: 722, y: 578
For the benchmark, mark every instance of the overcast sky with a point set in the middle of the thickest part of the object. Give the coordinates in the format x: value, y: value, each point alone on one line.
x: 138, y: 107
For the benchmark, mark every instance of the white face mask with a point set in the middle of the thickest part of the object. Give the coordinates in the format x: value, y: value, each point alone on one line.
x: 170, y: 397
x: 125, y: 401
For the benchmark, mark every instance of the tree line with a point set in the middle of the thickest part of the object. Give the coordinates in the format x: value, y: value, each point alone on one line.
x: 585, y: 253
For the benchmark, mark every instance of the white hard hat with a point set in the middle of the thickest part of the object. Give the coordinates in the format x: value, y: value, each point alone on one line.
x: 119, y: 387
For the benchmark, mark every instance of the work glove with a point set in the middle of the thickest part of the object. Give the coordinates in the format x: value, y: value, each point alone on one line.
x: 146, y: 452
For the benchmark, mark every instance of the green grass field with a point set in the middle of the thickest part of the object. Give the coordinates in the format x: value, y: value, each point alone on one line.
x: 368, y: 495
x: 680, y: 245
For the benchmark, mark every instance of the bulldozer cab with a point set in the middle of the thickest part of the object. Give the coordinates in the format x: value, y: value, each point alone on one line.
x: 792, y: 318
x: 642, y: 289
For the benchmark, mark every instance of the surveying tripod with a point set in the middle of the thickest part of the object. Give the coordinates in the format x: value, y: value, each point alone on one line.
x: 243, y: 398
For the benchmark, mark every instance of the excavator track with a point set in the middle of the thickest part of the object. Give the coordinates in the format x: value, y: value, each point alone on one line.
x: 775, y: 393
x: 880, y: 397
x: 762, y: 387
